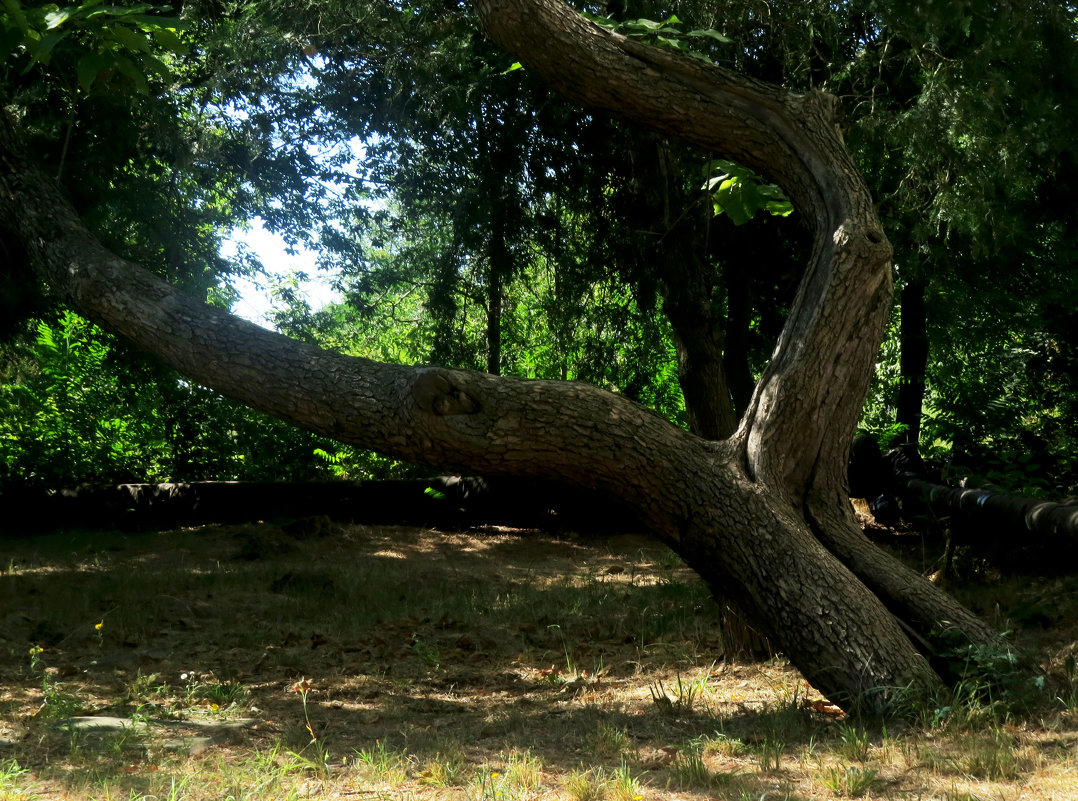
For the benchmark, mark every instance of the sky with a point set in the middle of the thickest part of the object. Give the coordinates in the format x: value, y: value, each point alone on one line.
x: 255, y: 302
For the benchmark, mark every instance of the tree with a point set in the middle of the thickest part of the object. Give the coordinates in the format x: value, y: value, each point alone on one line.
x: 761, y: 516
x: 959, y: 124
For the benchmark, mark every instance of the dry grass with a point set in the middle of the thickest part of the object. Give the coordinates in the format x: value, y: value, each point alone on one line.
x: 397, y: 663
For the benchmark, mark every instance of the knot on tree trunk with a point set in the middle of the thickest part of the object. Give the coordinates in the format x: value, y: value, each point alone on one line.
x: 435, y: 393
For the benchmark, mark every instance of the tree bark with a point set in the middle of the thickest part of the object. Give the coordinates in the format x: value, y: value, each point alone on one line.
x: 761, y: 516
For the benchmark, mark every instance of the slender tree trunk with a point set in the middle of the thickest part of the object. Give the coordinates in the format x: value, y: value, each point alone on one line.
x: 913, y: 360
x: 503, y: 217
x: 738, y: 322
x: 762, y: 515
x: 495, y: 299
x: 679, y: 253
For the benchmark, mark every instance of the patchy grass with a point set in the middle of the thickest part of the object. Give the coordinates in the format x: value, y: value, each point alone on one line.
x: 398, y: 663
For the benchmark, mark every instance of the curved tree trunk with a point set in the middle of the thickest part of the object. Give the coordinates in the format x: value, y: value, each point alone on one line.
x: 761, y: 516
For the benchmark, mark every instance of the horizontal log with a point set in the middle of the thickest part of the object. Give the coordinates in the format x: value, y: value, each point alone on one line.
x: 997, y: 513
x: 444, y: 501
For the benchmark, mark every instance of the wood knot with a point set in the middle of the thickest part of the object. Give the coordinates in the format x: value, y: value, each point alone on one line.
x: 435, y: 393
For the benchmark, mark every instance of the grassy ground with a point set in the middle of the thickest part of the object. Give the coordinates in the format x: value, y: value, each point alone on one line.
x: 245, y: 662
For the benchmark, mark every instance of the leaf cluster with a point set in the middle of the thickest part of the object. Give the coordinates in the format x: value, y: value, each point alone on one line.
x: 667, y: 33
x: 106, y: 42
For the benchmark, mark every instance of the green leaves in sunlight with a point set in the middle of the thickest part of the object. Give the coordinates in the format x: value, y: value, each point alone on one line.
x: 667, y: 33
x: 110, y: 46
x: 76, y: 407
x: 738, y: 192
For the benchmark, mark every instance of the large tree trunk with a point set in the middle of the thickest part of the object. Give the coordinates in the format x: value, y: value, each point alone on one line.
x: 761, y: 516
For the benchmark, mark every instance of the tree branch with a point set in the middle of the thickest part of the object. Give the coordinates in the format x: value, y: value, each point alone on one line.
x: 451, y: 419
x: 807, y: 403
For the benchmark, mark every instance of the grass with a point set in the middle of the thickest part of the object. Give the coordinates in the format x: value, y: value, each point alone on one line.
x: 406, y: 664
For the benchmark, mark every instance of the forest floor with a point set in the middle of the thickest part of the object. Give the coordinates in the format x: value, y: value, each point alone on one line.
x: 353, y: 662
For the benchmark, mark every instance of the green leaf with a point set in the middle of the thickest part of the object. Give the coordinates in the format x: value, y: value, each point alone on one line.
x: 133, y: 40
x: 41, y: 47
x: 151, y: 23
x: 516, y: 65
x: 167, y: 39
x: 54, y: 19
x: 14, y: 10
x: 128, y: 69
x: 115, y: 11
x: 711, y: 34
x: 152, y: 64
x: 90, y: 66
x: 779, y: 208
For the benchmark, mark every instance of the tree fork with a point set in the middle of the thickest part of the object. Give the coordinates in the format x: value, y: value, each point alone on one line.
x: 742, y: 511
x: 687, y: 490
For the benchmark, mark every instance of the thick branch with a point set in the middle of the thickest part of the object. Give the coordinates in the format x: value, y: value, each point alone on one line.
x: 806, y: 405
x: 447, y: 418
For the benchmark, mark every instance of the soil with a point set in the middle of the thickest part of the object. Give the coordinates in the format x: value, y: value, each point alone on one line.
x: 221, y: 642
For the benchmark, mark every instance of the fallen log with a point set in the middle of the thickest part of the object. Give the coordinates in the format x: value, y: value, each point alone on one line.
x: 993, y: 511
x: 442, y: 501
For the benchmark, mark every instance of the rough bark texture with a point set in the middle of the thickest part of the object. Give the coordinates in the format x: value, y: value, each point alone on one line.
x: 761, y: 516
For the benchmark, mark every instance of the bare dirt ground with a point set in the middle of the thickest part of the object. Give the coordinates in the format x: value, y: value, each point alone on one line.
x: 323, y: 661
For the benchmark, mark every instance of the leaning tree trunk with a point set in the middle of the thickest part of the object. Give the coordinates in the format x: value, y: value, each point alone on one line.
x: 761, y: 516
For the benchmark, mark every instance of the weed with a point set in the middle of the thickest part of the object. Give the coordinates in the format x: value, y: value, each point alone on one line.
x: 10, y: 770
x: 428, y: 652
x: 587, y: 785
x: 379, y: 764
x: 855, y: 744
x: 992, y: 757
x: 177, y: 789
x: 685, y: 695
x: 445, y: 769
x: 610, y: 741
x: 688, y: 770
x: 790, y: 719
x: 312, y: 758
x: 523, y: 776
x: 959, y: 795
x: 215, y: 695
x: 992, y: 685
x: 850, y: 781
x: 623, y: 786
x: 769, y: 753
x: 569, y: 667
x: 1068, y: 692
x: 723, y: 745
x: 57, y: 703
x: 303, y: 687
